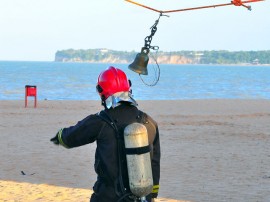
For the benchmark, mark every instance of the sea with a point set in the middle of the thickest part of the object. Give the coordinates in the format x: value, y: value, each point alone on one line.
x: 77, y: 81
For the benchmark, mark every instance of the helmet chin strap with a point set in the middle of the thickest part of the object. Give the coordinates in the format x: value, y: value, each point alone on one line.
x: 103, y: 101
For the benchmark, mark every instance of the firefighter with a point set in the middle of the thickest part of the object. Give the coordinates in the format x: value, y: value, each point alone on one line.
x: 106, y: 128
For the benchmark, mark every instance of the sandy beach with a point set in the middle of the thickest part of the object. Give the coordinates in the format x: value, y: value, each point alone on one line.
x: 212, y: 150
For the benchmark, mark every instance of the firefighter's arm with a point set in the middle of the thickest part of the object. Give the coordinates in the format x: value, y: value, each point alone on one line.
x: 84, y: 132
x: 156, y: 165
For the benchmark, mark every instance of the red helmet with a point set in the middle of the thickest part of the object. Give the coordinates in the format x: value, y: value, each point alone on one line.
x: 112, y: 81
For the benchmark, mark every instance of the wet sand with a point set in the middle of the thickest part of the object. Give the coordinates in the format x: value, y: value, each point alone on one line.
x: 212, y: 150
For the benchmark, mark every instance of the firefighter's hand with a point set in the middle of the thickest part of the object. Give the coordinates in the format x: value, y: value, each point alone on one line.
x: 153, y: 200
x: 55, y: 139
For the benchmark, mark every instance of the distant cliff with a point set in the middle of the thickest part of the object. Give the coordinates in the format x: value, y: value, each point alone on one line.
x: 177, y: 57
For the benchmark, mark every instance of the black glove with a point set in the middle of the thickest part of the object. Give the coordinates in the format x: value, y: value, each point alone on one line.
x: 55, y: 139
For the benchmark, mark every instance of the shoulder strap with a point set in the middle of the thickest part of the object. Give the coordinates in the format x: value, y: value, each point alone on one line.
x: 143, y: 117
x: 107, y: 118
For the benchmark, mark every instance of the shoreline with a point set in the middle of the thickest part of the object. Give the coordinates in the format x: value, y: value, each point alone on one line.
x: 212, y: 150
x: 115, y: 63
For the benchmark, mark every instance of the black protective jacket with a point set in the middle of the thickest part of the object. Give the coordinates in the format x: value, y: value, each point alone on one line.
x: 96, y: 128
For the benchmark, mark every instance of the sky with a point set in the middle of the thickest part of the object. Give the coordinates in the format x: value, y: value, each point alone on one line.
x: 33, y: 30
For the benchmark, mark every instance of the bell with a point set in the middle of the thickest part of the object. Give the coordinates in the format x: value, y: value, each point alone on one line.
x: 140, y: 63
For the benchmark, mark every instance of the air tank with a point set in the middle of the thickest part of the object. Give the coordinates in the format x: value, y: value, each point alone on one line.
x: 138, y: 159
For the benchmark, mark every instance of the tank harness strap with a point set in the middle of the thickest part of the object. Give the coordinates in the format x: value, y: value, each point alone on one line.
x: 138, y: 151
x: 142, y: 118
x: 107, y: 118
